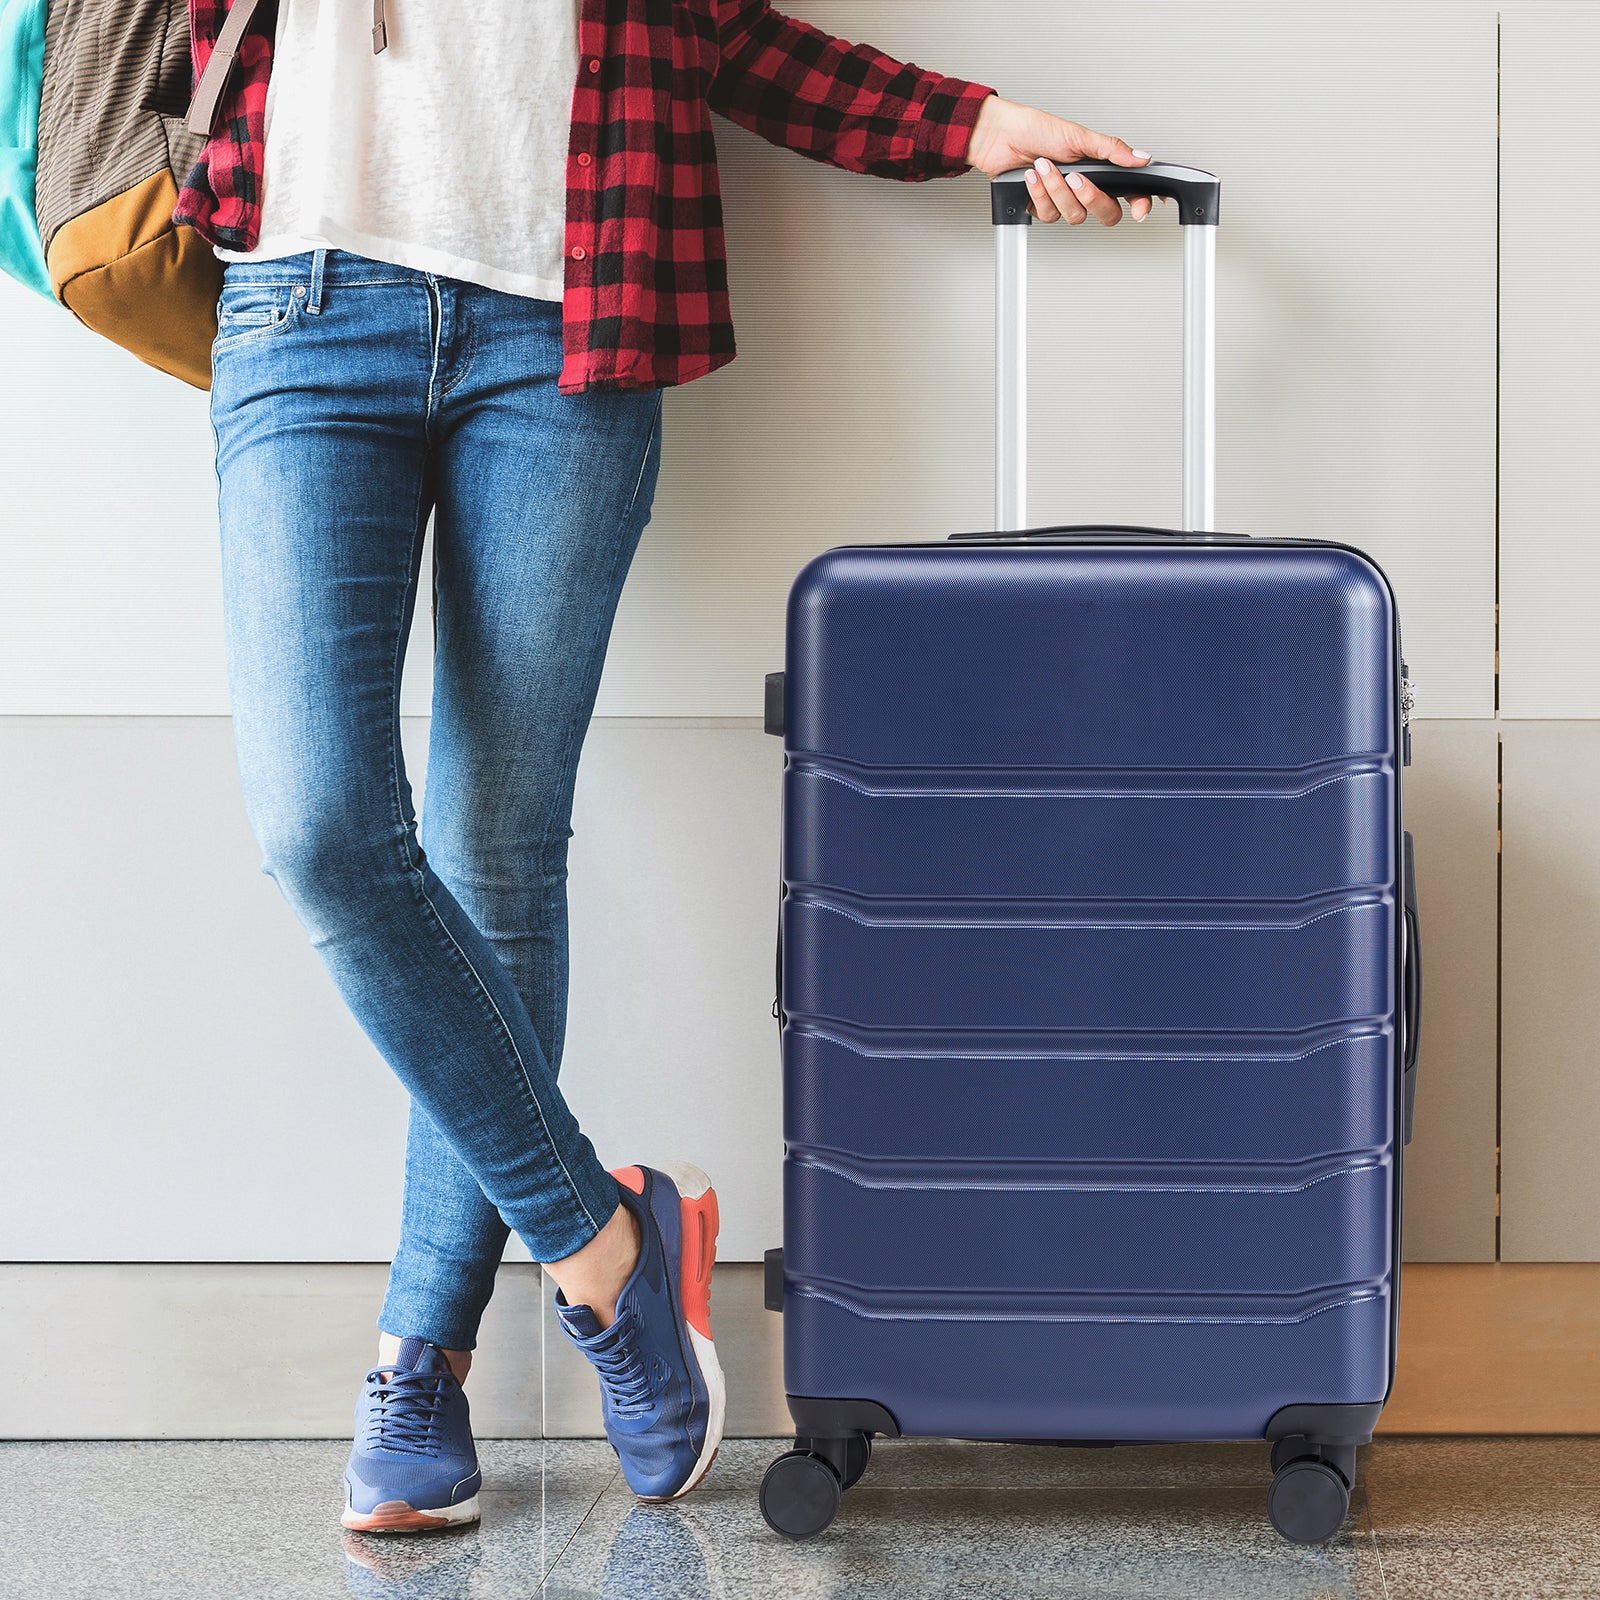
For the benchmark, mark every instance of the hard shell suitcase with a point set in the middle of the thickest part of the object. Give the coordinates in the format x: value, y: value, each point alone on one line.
x: 1099, y: 978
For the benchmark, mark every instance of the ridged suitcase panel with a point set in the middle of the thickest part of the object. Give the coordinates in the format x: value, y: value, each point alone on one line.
x: 1089, y: 983
x: 1021, y: 1098
x: 983, y: 1376
x: 990, y: 971
x: 1215, y: 836
x: 944, y: 1232
x: 1056, y: 657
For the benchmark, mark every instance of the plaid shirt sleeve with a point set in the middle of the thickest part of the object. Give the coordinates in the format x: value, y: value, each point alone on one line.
x: 221, y: 197
x: 846, y: 104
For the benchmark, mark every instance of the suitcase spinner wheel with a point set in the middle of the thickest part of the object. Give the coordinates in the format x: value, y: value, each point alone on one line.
x: 1310, y: 1494
x: 801, y: 1490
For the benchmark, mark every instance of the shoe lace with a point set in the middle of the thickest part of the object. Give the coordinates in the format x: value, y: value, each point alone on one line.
x: 406, y: 1410
x: 625, y: 1377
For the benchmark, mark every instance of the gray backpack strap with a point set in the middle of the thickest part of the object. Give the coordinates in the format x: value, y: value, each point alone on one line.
x: 213, y: 84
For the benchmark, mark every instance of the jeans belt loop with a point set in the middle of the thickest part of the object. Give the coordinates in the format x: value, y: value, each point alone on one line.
x: 319, y: 260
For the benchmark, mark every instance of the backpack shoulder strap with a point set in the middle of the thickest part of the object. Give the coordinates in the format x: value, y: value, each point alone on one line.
x: 213, y: 84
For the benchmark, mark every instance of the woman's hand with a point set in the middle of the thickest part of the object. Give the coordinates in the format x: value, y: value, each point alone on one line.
x: 1007, y: 135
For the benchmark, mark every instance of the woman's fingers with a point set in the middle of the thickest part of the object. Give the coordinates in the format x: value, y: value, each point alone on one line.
x: 1044, y: 208
x: 1104, y: 208
x: 1061, y: 196
x: 1140, y: 207
x: 1073, y: 197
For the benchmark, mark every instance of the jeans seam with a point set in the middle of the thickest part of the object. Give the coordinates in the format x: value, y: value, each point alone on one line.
x: 422, y: 890
x: 579, y: 725
x: 471, y: 326
x: 262, y: 280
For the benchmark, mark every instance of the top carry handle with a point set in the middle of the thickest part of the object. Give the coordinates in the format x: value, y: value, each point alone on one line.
x: 1198, y: 195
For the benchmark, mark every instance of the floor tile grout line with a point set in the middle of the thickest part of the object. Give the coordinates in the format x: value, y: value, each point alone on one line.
x: 1377, y: 1551
x: 582, y: 1524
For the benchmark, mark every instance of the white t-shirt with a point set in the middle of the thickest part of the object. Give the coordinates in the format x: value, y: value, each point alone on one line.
x: 446, y: 152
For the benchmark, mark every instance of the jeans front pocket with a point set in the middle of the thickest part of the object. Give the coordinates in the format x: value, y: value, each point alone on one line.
x: 252, y: 313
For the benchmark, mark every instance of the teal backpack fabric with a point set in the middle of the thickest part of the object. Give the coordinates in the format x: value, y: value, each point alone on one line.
x: 21, y: 75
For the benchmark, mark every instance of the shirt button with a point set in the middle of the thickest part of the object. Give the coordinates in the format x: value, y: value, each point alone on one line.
x: 594, y: 63
x: 583, y: 158
x: 578, y: 252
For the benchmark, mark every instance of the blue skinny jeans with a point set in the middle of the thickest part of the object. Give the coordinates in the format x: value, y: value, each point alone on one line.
x: 350, y: 399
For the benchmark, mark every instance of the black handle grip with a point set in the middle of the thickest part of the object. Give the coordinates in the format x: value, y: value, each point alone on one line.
x: 1413, y: 985
x: 1198, y: 194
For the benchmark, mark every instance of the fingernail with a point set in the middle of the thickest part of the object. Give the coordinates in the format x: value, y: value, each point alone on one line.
x: 1139, y: 216
x: 1141, y: 155
x: 1043, y: 164
x: 1030, y: 177
x: 1074, y: 180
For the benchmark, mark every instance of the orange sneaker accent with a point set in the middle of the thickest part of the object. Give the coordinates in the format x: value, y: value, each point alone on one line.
x: 700, y: 1224
x: 393, y: 1516
x: 629, y: 1177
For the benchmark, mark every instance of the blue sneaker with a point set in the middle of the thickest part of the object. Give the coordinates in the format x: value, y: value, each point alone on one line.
x: 413, y: 1467
x: 661, y: 1386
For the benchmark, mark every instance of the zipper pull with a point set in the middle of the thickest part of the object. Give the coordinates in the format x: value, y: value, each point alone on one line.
x: 1408, y: 706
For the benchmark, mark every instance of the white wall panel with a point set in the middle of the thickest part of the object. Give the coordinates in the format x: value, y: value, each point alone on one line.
x: 180, y: 1081
x: 1356, y: 329
x: 1550, y: 376
x: 108, y: 532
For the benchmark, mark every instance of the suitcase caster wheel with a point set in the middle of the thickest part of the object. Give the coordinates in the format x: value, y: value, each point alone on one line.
x: 1308, y: 1500
x: 857, y: 1455
x: 800, y: 1494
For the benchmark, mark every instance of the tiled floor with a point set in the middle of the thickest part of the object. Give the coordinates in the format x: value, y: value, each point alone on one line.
x: 1432, y: 1520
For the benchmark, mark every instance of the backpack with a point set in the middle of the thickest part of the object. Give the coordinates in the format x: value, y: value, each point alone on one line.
x: 22, y: 25
x: 112, y: 144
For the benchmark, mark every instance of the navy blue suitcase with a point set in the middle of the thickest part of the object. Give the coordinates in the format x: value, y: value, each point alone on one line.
x: 1099, y: 980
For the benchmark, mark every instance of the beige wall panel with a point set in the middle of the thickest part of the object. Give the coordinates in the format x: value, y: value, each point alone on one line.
x: 1513, y: 1348
x: 1550, y: 1062
x: 1356, y: 339
x: 1449, y: 1168
x: 305, y: 1334
x: 1550, y: 364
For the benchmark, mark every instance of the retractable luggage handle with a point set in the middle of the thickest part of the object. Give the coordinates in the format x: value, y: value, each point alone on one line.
x: 1198, y: 195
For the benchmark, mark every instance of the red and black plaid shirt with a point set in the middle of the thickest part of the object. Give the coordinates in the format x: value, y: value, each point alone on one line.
x: 646, y: 299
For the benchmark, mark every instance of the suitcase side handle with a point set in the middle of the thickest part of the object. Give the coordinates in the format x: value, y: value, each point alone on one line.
x: 1199, y: 196
x: 1412, y: 986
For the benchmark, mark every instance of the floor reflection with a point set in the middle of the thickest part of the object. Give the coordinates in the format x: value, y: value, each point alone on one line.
x: 1432, y: 1520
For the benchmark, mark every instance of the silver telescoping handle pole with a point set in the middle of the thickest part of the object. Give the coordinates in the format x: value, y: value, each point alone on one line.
x: 1199, y: 380
x: 1198, y: 197
x: 1011, y: 379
